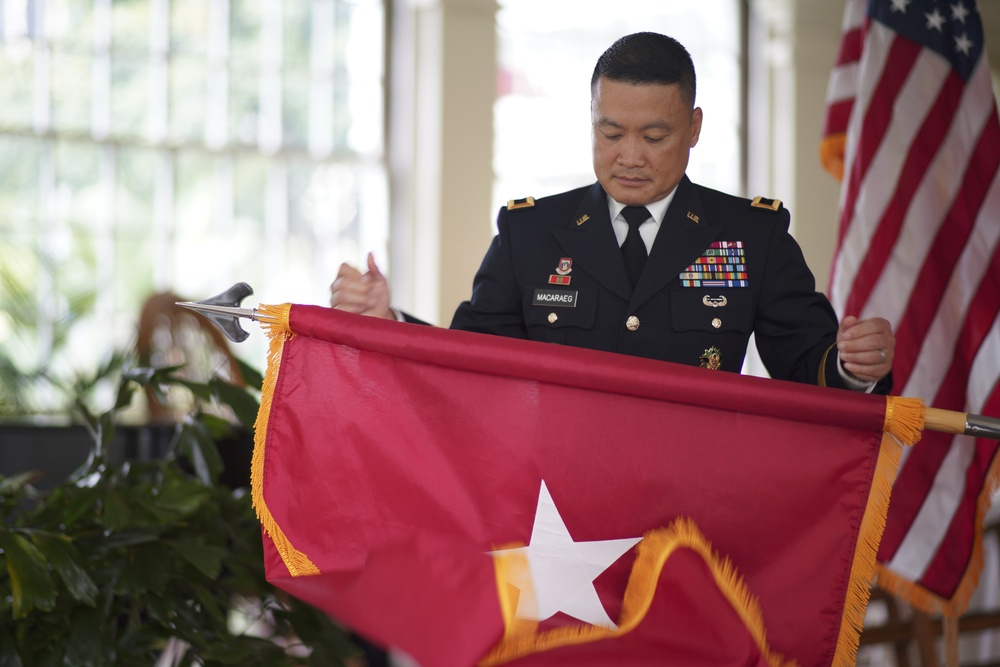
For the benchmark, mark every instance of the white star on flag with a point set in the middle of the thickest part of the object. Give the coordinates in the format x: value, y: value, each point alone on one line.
x: 959, y: 12
x: 935, y: 20
x: 963, y: 44
x: 562, y: 571
x: 900, y: 5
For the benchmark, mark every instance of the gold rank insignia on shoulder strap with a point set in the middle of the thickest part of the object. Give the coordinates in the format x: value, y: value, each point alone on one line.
x: 764, y: 202
x: 515, y: 204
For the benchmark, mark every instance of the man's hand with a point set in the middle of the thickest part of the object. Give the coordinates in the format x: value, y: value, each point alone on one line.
x: 364, y: 293
x: 866, y: 347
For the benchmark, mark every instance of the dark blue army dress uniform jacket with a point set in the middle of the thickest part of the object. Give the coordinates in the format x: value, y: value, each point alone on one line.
x: 555, y: 273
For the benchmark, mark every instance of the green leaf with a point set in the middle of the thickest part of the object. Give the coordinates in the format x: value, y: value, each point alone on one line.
x: 181, y: 497
x: 11, y: 485
x: 216, y: 427
x: 195, y: 443
x: 205, y: 558
x: 78, y: 501
x: 141, y: 375
x: 108, y: 543
x: 245, y: 650
x: 244, y: 405
x: 66, y: 560
x: 107, y: 430
x: 199, y: 389
x: 8, y: 649
x: 145, y: 375
x: 117, y: 514
x: 147, y: 568
x: 125, y: 392
x: 251, y: 376
x: 31, y: 582
x: 86, y: 645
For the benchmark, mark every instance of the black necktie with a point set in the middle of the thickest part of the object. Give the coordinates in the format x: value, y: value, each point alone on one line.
x: 634, y: 249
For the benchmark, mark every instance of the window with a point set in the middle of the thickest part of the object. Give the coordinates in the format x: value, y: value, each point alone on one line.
x: 183, y: 145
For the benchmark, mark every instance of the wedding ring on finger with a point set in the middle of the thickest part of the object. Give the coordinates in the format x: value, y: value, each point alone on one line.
x: 882, y: 354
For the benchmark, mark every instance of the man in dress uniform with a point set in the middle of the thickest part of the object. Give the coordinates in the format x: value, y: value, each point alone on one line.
x: 645, y: 262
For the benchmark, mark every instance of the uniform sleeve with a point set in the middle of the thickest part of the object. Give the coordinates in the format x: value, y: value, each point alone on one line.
x: 495, y: 306
x: 796, y: 327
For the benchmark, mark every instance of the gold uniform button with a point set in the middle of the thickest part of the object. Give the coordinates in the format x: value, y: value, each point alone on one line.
x: 632, y: 323
x: 716, y: 323
x: 552, y: 318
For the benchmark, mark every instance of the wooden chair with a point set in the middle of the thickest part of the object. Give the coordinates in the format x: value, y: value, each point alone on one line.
x: 169, y: 335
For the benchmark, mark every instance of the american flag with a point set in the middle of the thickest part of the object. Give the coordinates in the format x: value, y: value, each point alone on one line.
x: 912, y: 129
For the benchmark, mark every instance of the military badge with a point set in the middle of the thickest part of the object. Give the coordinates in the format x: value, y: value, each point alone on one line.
x: 559, y: 280
x: 584, y: 218
x: 711, y: 359
x: 565, y: 266
x: 723, y: 264
x: 715, y: 301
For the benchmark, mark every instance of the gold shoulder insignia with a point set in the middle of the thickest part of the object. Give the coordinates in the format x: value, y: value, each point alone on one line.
x: 764, y: 202
x: 514, y: 204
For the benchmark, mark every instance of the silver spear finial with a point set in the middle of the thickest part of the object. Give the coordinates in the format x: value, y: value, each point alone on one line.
x: 224, y: 311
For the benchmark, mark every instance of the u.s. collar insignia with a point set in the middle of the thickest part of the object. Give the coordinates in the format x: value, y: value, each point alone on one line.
x: 582, y: 219
x: 711, y: 359
x: 692, y: 216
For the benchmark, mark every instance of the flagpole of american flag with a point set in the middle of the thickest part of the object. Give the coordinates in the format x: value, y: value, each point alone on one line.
x: 912, y: 129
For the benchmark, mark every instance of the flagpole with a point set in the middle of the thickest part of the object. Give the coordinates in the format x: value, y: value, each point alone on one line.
x: 224, y: 310
x: 961, y: 423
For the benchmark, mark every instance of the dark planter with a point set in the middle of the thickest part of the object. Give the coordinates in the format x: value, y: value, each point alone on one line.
x: 56, y: 451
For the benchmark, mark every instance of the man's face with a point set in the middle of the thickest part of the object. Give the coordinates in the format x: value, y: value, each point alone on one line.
x: 642, y: 136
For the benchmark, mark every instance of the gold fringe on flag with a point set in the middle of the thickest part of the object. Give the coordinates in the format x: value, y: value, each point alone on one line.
x: 831, y: 154
x: 509, y: 565
x: 866, y: 550
x: 904, y: 418
x: 276, y: 326
x: 654, y: 549
x: 928, y: 602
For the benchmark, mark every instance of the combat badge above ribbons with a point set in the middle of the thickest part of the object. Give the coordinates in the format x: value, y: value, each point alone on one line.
x: 723, y: 264
x: 711, y: 359
x: 563, y: 269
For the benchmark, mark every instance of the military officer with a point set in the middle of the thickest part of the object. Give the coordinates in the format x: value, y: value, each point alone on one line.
x: 645, y: 262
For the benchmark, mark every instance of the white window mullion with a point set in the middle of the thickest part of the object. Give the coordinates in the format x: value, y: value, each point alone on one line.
x: 42, y: 100
x: 321, y: 79
x: 269, y: 120
x: 100, y: 72
x: 276, y: 220
x: 163, y: 215
x: 217, y: 79
x: 45, y: 288
x: 223, y: 227
x: 159, y: 54
x: 104, y: 244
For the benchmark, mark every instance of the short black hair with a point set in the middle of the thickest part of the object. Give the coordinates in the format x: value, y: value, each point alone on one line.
x: 647, y: 57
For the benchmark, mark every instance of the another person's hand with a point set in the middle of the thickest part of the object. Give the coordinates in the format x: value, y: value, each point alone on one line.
x: 363, y: 293
x: 866, y: 347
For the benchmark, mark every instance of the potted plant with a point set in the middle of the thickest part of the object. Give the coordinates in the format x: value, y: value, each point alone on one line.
x: 150, y: 560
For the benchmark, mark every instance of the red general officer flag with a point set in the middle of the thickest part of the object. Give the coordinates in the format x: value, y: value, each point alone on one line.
x: 475, y: 499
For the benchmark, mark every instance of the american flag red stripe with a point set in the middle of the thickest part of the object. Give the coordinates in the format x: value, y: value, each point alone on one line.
x: 911, y: 109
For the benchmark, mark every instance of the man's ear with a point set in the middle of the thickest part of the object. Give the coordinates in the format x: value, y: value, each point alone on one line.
x: 696, y: 117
